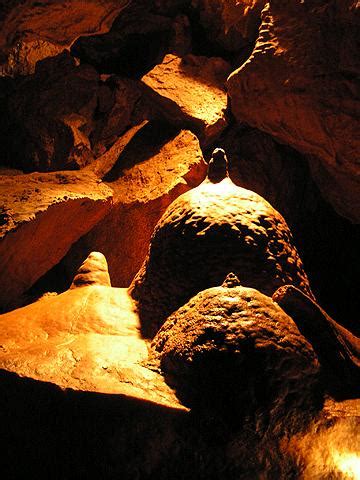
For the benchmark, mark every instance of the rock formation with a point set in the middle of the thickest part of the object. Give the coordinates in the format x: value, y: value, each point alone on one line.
x: 31, y: 32
x: 235, y: 350
x: 299, y: 85
x: 181, y: 376
x: 206, y: 233
x: 42, y: 215
x: 232, y: 24
x: 189, y: 91
x: 145, y: 179
x: 87, y: 338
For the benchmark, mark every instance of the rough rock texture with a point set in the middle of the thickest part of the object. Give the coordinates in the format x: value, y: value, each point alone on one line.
x: 94, y: 111
x: 53, y: 135
x: 23, y: 58
x: 88, y: 338
x: 337, y: 348
x: 79, y: 397
x: 152, y: 171
x: 190, y: 91
x: 281, y: 175
x: 300, y: 86
x: 42, y: 215
x: 119, y: 107
x: 206, y: 233
x: 232, y: 349
x: 230, y: 23
x: 39, y: 29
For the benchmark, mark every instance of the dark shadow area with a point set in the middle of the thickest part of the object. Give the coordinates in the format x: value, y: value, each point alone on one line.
x: 136, y: 42
x: 146, y: 143
x: 327, y: 242
x: 64, y: 434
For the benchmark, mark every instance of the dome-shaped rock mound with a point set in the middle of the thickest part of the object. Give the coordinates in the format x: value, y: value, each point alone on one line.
x: 208, y: 232
x: 233, y: 349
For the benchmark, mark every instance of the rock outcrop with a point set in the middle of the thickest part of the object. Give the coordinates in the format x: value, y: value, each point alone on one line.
x: 94, y: 111
x: 190, y: 92
x: 53, y: 135
x: 137, y: 41
x: 232, y: 350
x: 232, y: 24
x: 42, y: 216
x: 299, y: 86
x: 155, y: 167
x: 206, y: 233
x: 33, y: 31
x: 87, y: 338
x: 337, y: 348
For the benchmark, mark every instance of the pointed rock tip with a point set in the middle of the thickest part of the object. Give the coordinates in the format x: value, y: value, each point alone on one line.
x: 93, y: 271
x: 231, y: 281
x: 218, y: 166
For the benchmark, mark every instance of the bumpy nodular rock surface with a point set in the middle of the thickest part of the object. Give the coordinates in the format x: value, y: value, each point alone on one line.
x: 206, y: 233
x: 235, y: 351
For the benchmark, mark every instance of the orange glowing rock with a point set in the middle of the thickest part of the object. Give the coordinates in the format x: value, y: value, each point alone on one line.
x: 208, y: 232
x: 146, y: 176
x: 190, y: 91
x: 49, y: 26
x: 43, y: 214
x: 299, y: 86
x: 87, y: 338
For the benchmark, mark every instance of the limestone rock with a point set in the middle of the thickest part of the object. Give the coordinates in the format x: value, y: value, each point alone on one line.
x: 181, y: 38
x: 190, y: 91
x: 42, y: 216
x: 153, y: 169
x: 203, y: 235
x: 54, y: 135
x: 230, y: 23
x: 281, y: 175
x: 299, y: 85
x: 233, y: 350
x: 328, y: 448
x: 93, y: 271
x: 40, y: 29
x: 119, y: 108
x: 22, y: 59
x: 336, y: 347
x: 136, y: 42
x: 86, y: 339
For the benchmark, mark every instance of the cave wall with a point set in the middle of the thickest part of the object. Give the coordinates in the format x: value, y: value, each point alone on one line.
x: 66, y: 107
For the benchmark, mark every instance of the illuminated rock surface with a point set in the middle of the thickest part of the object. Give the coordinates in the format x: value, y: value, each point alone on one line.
x: 42, y: 215
x: 80, y: 397
x: 206, y: 233
x: 93, y: 271
x: 190, y: 91
x: 88, y: 338
x: 299, y: 85
x: 152, y: 171
x: 232, y: 348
